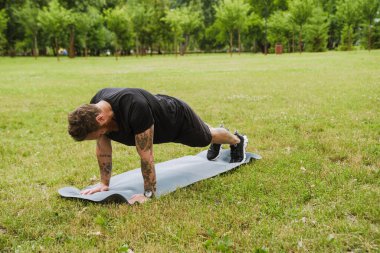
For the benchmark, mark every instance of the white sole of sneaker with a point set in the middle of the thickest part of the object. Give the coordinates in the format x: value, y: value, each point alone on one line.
x: 244, y: 147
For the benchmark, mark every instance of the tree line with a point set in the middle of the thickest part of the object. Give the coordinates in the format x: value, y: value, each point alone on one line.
x: 140, y: 27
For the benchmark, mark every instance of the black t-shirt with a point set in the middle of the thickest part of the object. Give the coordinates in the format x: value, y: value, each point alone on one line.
x: 136, y: 110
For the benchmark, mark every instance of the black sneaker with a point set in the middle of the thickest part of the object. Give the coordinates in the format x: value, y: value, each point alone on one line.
x: 238, y: 150
x: 214, y: 151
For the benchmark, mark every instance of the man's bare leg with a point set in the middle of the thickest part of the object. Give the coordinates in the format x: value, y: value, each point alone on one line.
x: 223, y: 136
x: 237, y: 143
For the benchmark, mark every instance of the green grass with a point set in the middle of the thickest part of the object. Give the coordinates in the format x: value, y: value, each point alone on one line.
x: 314, y: 118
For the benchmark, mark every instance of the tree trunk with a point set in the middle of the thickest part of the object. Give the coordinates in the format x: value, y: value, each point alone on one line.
x: 331, y: 40
x: 300, y: 40
x: 85, y: 46
x: 85, y: 49
x: 266, y: 41
x: 35, y: 49
x: 349, y: 39
x: 56, y: 47
x: 181, y: 48
x: 137, y: 47
x: 231, y: 41
x: 185, y: 44
x: 72, y: 42
x: 369, y: 36
x: 239, y: 42
x: 175, y: 46
x: 293, y: 42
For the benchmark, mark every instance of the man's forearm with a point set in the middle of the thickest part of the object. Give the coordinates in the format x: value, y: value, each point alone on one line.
x: 149, y: 174
x: 104, y: 156
x: 144, y: 146
x: 105, y: 167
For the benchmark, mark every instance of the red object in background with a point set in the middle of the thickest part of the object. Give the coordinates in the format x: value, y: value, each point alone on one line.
x: 278, y: 48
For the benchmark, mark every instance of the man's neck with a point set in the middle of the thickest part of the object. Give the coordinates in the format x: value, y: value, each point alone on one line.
x: 112, y: 126
x: 107, y: 111
x: 105, y: 107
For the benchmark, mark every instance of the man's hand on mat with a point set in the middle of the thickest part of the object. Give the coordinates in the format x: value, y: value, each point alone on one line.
x: 138, y: 198
x: 101, y: 188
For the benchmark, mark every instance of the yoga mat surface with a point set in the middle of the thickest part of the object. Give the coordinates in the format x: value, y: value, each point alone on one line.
x: 171, y: 175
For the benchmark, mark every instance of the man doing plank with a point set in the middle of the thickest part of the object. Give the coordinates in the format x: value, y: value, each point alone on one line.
x: 135, y: 117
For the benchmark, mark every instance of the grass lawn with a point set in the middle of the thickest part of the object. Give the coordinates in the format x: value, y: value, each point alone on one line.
x: 315, y: 119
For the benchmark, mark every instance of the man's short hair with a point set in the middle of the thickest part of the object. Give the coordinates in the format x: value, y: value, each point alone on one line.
x: 82, y: 121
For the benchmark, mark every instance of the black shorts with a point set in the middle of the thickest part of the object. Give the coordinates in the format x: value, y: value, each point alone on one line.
x: 185, y: 126
x: 194, y: 132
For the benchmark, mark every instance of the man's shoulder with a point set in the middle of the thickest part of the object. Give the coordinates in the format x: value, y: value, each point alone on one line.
x: 110, y: 93
x: 123, y: 91
x: 123, y: 95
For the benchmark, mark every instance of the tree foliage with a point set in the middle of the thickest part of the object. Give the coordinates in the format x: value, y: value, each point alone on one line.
x: 142, y: 16
x: 119, y: 23
x: 279, y: 28
x: 369, y: 10
x: 54, y: 20
x: 94, y: 27
x: 87, y: 23
x: 27, y: 16
x: 191, y: 23
x: 265, y: 8
x: 173, y: 19
x: 300, y: 12
x: 231, y: 16
x: 317, y: 31
x: 347, y: 12
x: 3, y: 26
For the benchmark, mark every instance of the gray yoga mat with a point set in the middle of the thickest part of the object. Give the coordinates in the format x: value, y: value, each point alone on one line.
x: 171, y: 175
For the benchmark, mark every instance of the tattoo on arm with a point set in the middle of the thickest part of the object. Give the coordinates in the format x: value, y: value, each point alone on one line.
x: 104, y: 156
x: 105, y: 172
x: 105, y: 166
x: 144, y: 141
x: 144, y: 146
x: 149, y: 174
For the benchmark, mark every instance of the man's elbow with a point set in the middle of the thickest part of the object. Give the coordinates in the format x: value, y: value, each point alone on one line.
x: 146, y: 156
